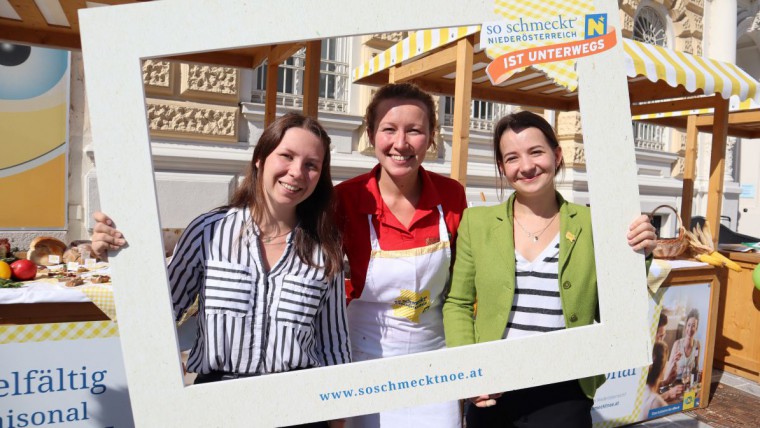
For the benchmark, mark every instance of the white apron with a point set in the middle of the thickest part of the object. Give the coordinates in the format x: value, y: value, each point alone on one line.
x: 399, y: 313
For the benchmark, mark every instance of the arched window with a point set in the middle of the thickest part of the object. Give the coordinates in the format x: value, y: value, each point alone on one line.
x: 649, y: 27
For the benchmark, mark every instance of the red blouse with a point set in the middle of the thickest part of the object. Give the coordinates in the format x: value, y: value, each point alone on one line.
x: 360, y: 196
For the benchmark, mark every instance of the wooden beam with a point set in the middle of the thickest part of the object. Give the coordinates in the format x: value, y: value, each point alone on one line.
x: 311, y: 78
x: 647, y: 91
x: 717, y: 167
x: 392, y: 75
x: 491, y: 93
x: 270, y: 101
x: 744, y: 117
x: 280, y: 53
x: 744, y: 133
x: 531, y: 82
x: 689, y: 170
x: 258, y: 56
x: 54, y: 37
x: 481, y: 57
x: 734, y: 118
x: 462, y: 100
x: 444, y: 59
x: 676, y: 122
x: 377, y: 79
x: 30, y: 14
x: 71, y: 10
x: 683, y: 104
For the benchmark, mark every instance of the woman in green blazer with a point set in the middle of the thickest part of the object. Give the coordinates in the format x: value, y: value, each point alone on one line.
x: 534, y: 258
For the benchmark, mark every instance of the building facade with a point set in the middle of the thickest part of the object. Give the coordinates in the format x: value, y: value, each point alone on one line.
x: 204, y: 121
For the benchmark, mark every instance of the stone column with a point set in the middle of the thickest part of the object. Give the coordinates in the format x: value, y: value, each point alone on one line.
x: 722, y: 34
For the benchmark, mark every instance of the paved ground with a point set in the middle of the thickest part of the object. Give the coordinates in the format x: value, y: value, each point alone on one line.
x: 734, y: 403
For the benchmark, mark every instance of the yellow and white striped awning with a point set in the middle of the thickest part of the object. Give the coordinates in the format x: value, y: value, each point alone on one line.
x: 690, y: 71
x: 417, y: 44
x: 655, y: 63
x: 734, y: 105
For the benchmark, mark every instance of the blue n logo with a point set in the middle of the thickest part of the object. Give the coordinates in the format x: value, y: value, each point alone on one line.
x: 596, y: 25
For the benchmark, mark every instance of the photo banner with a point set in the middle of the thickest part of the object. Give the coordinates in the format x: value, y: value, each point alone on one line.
x: 34, y: 101
x: 115, y: 39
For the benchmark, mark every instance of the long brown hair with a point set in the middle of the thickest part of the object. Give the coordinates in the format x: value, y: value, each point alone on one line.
x: 659, y: 358
x: 316, y: 226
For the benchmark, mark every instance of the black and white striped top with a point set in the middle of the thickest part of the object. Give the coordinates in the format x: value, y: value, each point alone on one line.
x: 536, y: 307
x: 251, y: 321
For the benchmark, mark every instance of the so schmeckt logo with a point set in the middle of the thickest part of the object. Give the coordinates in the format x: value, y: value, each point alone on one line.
x: 544, y: 31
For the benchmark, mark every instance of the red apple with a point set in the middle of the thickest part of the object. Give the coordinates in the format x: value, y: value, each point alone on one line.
x: 23, y: 270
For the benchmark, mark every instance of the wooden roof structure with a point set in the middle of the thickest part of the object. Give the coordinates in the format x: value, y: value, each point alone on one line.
x: 55, y: 24
x: 743, y: 122
x: 428, y: 58
x: 451, y: 61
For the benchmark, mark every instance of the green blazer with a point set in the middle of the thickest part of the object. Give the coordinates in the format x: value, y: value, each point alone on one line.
x: 485, y: 270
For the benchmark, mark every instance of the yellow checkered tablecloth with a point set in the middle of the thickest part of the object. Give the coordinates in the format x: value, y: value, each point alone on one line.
x: 23, y: 333
x: 102, y: 296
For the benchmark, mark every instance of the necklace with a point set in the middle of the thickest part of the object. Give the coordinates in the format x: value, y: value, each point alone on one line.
x: 535, y: 235
x: 268, y: 239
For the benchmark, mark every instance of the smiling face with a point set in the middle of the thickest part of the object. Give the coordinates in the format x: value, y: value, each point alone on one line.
x: 691, y: 327
x: 401, y: 136
x: 291, y: 172
x: 528, y: 162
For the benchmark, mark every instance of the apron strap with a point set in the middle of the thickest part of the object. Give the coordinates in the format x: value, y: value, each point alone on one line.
x: 375, y: 243
x: 442, y: 226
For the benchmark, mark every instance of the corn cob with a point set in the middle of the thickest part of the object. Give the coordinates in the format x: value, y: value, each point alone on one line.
x: 726, y: 261
x: 709, y: 259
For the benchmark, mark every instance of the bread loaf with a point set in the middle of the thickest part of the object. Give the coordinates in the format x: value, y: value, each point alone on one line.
x: 42, y: 247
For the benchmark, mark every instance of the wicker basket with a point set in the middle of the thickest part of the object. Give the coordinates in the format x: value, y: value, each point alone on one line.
x: 670, y: 248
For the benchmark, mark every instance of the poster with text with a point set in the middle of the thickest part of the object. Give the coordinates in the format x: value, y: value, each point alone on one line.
x: 34, y: 99
x: 63, y: 375
x: 673, y: 383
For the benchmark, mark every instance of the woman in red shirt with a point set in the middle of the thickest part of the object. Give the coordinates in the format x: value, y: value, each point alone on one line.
x: 399, y: 226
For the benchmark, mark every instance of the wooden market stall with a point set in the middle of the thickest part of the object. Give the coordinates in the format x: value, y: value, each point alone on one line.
x: 41, y: 331
x: 57, y: 26
x: 451, y: 62
x: 737, y: 344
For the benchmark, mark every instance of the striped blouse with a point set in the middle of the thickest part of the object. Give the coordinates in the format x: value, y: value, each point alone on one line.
x: 251, y: 321
x: 536, y: 307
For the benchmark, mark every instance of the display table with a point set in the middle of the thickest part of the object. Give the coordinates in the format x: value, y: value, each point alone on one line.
x: 43, y: 313
x: 737, y: 340
x: 61, y: 356
x: 47, y: 300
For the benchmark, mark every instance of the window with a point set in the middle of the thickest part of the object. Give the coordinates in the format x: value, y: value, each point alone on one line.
x: 483, y: 114
x: 333, y: 78
x: 649, y: 27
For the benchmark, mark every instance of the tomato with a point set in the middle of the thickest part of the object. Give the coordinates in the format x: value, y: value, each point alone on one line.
x: 24, y: 270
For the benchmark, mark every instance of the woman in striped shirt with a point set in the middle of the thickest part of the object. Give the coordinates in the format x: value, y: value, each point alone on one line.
x: 534, y: 258
x: 267, y: 268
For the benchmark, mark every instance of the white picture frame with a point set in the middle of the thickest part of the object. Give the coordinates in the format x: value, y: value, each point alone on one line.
x: 115, y: 39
